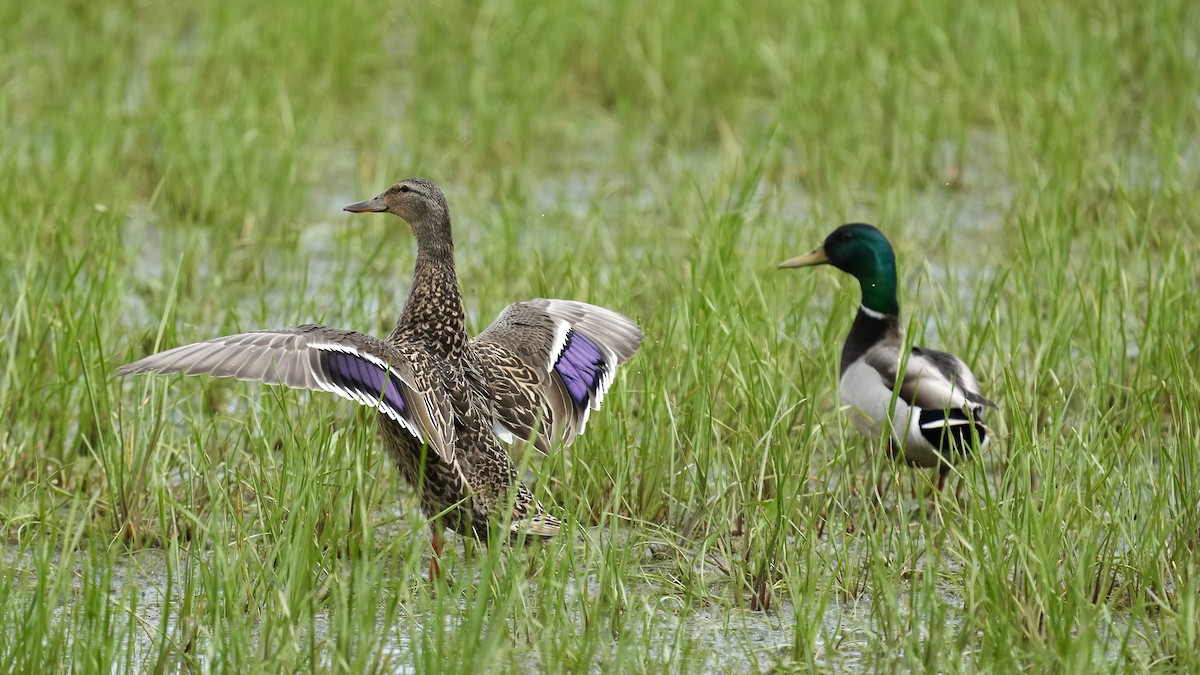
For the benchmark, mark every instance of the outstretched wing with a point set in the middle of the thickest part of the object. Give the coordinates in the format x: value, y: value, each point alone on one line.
x: 549, y: 363
x: 352, y: 365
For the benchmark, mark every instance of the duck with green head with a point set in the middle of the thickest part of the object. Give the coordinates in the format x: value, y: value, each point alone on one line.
x: 930, y: 400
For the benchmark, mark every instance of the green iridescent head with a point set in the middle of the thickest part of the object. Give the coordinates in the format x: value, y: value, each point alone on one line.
x: 861, y: 251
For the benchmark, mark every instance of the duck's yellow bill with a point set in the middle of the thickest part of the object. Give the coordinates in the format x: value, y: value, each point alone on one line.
x: 817, y: 257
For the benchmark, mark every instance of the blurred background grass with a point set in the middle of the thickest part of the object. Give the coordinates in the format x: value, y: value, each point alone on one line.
x: 171, y: 173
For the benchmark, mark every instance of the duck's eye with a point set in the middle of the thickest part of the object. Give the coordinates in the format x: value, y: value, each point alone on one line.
x: 405, y: 188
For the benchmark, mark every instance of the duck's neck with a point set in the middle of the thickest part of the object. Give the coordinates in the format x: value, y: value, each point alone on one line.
x: 433, y: 314
x: 878, y: 286
x: 870, y: 328
x: 879, y: 315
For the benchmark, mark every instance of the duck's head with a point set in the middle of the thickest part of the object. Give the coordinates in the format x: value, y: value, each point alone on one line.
x: 857, y: 249
x: 414, y: 199
x: 861, y: 251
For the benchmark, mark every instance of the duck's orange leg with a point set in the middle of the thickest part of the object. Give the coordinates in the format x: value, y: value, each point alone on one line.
x: 435, y: 569
x: 943, y: 472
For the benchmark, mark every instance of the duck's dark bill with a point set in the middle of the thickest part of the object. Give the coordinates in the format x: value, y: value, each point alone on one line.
x: 372, y: 205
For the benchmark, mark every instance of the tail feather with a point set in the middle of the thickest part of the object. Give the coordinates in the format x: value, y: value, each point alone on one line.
x: 542, y: 525
x: 953, y: 430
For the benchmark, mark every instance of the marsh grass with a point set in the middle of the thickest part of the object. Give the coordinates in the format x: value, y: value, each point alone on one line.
x: 175, y: 173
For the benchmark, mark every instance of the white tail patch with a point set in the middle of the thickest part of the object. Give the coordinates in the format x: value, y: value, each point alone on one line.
x: 945, y: 422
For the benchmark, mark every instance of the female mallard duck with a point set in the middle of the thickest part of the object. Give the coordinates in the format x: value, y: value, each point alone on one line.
x: 937, y: 418
x: 534, y: 374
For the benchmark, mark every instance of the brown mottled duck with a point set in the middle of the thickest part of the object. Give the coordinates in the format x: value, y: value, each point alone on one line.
x: 446, y: 401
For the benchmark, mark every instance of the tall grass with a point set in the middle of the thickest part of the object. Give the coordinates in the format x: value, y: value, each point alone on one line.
x: 175, y: 173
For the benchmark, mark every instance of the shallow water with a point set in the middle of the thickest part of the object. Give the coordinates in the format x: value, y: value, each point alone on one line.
x: 732, y: 639
x: 735, y: 639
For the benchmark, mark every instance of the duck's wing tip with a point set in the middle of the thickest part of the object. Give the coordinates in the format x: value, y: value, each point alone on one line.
x: 351, y: 365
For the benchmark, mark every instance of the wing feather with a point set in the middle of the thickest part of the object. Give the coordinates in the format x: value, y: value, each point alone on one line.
x: 549, y: 363
x: 922, y: 384
x: 352, y: 365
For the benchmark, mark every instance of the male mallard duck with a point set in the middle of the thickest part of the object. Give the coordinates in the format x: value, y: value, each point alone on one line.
x: 534, y: 374
x: 938, y: 415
